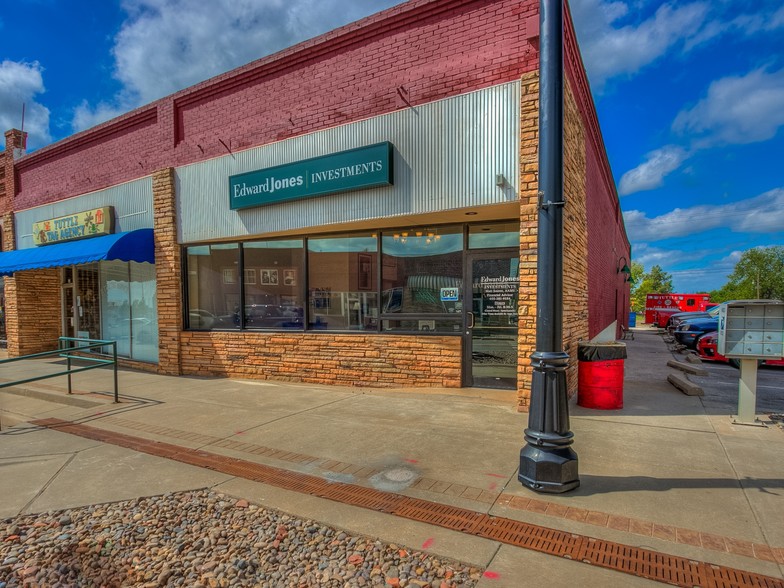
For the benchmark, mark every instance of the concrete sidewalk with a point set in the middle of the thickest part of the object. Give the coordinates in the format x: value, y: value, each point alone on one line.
x: 660, y: 473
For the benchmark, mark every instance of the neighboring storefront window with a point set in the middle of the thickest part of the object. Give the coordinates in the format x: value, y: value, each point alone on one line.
x: 273, y: 279
x: 343, y: 283
x: 127, y: 308
x: 3, y: 336
x: 214, y: 286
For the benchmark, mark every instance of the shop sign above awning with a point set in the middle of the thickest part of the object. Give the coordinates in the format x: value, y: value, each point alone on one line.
x: 135, y: 245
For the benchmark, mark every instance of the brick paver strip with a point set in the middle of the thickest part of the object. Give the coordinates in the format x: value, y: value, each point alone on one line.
x: 628, y: 524
x: 687, y: 537
x: 647, y: 528
x: 628, y: 559
x: 666, y: 532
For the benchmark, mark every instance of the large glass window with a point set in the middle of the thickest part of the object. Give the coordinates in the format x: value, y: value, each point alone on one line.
x: 273, y: 273
x: 402, y: 280
x: 342, y: 282
x: 128, y: 307
x: 214, y: 286
x: 422, y: 274
x: 144, y: 312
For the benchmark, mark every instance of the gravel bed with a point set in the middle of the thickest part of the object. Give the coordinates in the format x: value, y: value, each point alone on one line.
x: 202, y: 539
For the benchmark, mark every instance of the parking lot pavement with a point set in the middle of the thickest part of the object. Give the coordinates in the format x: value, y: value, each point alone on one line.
x: 721, y: 388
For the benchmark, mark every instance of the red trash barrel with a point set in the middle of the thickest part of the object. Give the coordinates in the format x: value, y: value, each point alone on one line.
x: 600, y: 375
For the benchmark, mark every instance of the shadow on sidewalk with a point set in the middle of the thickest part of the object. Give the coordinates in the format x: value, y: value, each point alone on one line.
x: 592, y: 484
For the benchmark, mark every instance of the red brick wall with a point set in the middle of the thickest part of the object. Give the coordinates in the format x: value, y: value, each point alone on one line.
x: 347, y: 360
x: 414, y: 53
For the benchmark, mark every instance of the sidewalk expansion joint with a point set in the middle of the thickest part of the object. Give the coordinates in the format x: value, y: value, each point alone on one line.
x: 637, y: 561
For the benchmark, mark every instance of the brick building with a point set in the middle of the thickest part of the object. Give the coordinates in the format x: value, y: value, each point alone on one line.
x: 359, y: 209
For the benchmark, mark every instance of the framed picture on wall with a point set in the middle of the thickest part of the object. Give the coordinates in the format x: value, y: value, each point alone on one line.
x: 250, y: 276
x: 229, y: 275
x: 289, y: 277
x: 269, y: 276
x: 365, y: 269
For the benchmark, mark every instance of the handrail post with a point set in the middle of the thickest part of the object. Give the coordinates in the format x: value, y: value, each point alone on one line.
x: 68, y: 367
x: 114, y: 358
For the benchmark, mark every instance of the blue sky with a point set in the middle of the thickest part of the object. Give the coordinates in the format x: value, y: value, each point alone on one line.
x: 690, y: 97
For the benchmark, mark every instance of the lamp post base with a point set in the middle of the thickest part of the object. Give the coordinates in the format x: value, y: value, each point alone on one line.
x: 547, y: 461
x: 550, y: 471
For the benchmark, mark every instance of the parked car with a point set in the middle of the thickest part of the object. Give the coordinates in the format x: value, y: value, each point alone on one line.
x: 201, y: 319
x: 679, y: 317
x: 707, y: 348
x: 271, y: 316
x: 689, y: 331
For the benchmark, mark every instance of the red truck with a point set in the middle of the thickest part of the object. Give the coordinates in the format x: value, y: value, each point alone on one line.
x: 660, y: 307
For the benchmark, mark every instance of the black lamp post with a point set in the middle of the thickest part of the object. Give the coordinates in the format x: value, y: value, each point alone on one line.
x: 547, y: 461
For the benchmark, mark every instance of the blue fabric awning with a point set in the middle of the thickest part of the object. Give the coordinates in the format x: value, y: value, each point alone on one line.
x: 135, y: 245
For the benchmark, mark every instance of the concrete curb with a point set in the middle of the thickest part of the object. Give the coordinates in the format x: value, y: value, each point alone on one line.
x: 689, y: 369
x: 684, y: 385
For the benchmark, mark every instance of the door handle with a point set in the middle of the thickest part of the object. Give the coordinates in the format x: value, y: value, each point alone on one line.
x: 470, y: 316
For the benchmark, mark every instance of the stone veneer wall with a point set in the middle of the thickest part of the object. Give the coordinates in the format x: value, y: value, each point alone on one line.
x: 375, y: 361
x: 168, y: 271
x: 575, y: 245
x: 33, y: 312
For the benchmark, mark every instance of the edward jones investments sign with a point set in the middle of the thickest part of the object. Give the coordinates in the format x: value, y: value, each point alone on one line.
x: 365, y: 167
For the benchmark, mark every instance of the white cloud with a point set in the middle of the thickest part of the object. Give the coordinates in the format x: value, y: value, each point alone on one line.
x: 86, y: 116
x: 609, y: 51
x: 760, y: 214
x: 650, y: 174
x: 737, y: 110
x: 20, y: 83
x: 167, y: 45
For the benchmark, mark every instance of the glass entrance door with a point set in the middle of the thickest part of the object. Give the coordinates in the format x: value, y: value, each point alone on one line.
x: 491, y: 325
x: 69, y: 311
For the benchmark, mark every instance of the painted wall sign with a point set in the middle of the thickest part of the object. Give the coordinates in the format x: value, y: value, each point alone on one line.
x: 90, y: 223
x: 365, y: 167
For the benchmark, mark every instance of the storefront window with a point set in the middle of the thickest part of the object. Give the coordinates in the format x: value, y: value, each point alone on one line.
x: 213, y: 286
x: 495, y: 235
x: 116, y: 305
x: 343, y: 282
x: 2, y: 313
x: 422, y: 272
x: 127, y: 309
x: 144, y: 312
x: 273, y: 273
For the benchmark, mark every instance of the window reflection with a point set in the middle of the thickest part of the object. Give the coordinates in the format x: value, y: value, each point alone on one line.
x: 274, y: 289
x: 213, y: 286
x: 422, y: 274
x: 493, y: 235
x: 342, y: 281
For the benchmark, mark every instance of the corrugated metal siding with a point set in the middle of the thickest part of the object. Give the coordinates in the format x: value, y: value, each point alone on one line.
x: 132, y: 209
x: 447, y: 156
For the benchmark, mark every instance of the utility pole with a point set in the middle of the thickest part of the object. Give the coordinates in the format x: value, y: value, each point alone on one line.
x: 547, y: 461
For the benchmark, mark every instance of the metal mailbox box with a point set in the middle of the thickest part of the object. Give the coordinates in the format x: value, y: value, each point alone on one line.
x: 752, y: 329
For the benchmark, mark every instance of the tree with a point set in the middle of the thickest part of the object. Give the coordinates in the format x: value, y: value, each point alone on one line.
x: 758, y: 274
x: 638, y: 272
x: 656, y: 281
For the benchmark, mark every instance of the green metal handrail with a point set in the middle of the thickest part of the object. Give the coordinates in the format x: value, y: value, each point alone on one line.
x: 67, y: 346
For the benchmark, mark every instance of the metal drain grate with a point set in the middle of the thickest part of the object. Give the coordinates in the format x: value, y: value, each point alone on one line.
x: 670, y: 569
